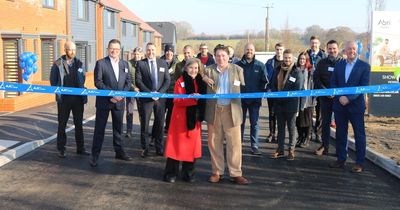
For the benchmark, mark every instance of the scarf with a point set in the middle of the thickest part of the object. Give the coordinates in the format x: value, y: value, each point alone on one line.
x: 194, y: 113
x: 283, y: 75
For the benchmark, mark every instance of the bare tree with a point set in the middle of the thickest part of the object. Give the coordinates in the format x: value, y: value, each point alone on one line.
x: 183, y: 29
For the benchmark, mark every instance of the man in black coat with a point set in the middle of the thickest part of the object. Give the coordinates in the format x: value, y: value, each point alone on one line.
x: 322, y: 78
x: 316, y: 54
x: 68, y: 71
x: 110, y: 73
x: 152, y: 76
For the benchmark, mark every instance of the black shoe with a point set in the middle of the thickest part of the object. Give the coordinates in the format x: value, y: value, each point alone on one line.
x: 144, y: 153
x: 123, y: 157
x: 151, y: 143
x: 93, y: 161
x: 61, y: 154
x: 159, y: 152
x: 337, y: 164
x: 255, y: 151
x: 188, y: 179
x: 82, y: 152
x: 128, y: 135
x: 170, y: 179
x: 317, y: 138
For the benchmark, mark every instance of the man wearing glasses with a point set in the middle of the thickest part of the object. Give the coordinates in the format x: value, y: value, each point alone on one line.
x: 110, y: 73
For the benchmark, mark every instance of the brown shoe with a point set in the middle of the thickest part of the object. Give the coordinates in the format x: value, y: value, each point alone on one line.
x: 337, y: 164
x: 277, y: 154
x: 240, y: 180
x: 321, y: 151
x: 357, y: 169
x: 215, y: 178
x: 290, y: 155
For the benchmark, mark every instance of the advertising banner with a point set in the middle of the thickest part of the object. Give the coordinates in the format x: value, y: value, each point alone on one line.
x: 385, y: 64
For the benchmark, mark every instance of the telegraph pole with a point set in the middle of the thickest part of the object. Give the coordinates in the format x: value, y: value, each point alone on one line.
x: 266, y: 48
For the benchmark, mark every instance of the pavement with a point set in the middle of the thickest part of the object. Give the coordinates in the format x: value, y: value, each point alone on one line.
x: 41, y: 180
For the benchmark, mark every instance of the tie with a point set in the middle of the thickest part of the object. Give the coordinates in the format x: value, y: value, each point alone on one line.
x: 154, y: 77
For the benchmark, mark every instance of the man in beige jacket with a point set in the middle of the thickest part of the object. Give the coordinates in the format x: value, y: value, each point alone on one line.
x: 224, y: 117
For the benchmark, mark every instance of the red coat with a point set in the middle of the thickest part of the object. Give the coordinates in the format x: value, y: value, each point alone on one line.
x: 183, y: 144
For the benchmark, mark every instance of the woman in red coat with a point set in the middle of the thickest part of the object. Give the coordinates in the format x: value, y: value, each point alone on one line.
x: 184, y: 134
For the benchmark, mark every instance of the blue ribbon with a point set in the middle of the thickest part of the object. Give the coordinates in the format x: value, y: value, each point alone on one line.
x: 17, y: 87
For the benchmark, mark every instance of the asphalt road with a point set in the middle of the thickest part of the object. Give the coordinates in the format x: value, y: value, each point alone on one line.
x: 41, y: 180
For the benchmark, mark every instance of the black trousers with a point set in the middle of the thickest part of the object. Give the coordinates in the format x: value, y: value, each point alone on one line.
x: 146, y: 108
x: 272, y: 117
x: 172, y: 168
x: 326, y: 113
x: 74, y: 104
x: 169, y: 105
x: 100, y: 126
x: 318, y: 120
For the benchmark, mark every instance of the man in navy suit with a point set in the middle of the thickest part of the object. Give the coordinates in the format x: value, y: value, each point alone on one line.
x: 110, y: 73
x: 351, y: 72
x: 152, y: 76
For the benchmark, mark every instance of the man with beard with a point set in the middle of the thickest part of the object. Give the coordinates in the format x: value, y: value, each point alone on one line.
x: 253, y: 71
x: 67, y: 71
x: 322, y: 78
x: 137, y: 56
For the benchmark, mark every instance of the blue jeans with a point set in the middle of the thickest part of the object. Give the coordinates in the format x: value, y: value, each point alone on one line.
x: 254, y: 112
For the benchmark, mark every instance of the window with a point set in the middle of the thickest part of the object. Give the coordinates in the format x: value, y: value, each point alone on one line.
x: 110, y: 19
x: 133, y: 30
x: 83, y: 10
x: 10, y: 64
x: 47, y: 57
x: 124, y: 28
x: 48, y: 3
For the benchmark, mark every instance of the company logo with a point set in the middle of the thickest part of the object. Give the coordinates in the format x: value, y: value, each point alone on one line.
x: 2, y: 86
x: 384, y: 23
x: 84, y: 92
x: 34, y: 88
x: 11, y: 87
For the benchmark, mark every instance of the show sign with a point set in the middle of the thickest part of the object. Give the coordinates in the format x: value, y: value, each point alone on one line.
x: 385, y: 65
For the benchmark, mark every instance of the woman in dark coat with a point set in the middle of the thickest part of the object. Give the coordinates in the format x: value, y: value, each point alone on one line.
x: 287, y: 78
x: 184, y: 134
x: 304, y: 120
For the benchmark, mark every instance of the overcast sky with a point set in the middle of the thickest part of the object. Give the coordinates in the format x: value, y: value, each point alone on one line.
x: 237, y: 16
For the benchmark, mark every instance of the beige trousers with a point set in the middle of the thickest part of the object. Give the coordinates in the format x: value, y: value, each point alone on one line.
x: 223, y: 129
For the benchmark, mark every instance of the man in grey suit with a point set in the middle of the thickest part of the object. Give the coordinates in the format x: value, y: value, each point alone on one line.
x: 152, y: 76
x: 110, y: 73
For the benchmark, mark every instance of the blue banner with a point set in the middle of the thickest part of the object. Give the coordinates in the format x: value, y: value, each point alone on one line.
x: 17, y: 87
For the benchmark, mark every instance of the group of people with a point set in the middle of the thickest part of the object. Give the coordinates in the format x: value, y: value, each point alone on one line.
x: 218, y: 73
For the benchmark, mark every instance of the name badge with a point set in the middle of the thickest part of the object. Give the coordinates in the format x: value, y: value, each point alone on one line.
x: 183, y: 84
x: 292, y: 79
x: 126, y: 70
x: 170, y: 70
x: 80, y: 70
x: 236, y: 83
x: 162, y: 69
x: 331, y: 69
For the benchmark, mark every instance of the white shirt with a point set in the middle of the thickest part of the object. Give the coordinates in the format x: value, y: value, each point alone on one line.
x: 115, y: 66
